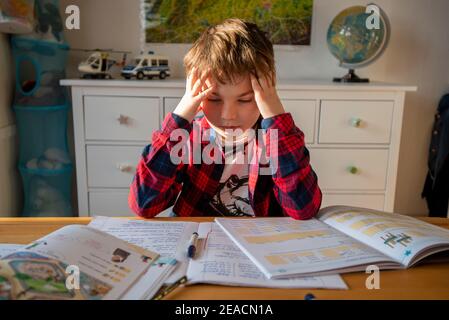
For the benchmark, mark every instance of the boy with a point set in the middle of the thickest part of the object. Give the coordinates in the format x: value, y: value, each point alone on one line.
x: 231, y: 78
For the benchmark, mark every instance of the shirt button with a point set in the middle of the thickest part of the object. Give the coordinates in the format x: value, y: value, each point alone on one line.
x: 435, y: 132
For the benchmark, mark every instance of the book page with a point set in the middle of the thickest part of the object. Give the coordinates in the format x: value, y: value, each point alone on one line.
x: 284, y: 247
x: 220, y: 261
x: 169, y: 239
x: 8, y: 248
x: 108, y: 266
x: 403, y: 238
x: 146, y: 287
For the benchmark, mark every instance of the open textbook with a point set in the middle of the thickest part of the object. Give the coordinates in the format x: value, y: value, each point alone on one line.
x: 218, y: 260
x: 8, y: 248
x: 340, y: 239
x: 79, y: 262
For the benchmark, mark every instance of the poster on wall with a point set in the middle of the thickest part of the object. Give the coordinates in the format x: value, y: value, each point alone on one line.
x: 286, y: 22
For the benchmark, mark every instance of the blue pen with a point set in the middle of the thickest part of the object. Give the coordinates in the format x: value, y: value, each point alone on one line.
x: 191, y: 249
x: 309, y: 296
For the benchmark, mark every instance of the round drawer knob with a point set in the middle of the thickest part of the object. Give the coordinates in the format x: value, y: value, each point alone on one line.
x: 124, y: 167
x: 356, y: 122
x: 353, y: 170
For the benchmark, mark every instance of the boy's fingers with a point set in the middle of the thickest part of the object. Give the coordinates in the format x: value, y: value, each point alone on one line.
x: 194, y: 77
x: 196, y: 87
x: 255, y: 83
x: 272, y: 79
x: 205, y: 93
x: 200, y: 82
x: 267, y: 81
x: 189, y: 78
x: 210, y: 82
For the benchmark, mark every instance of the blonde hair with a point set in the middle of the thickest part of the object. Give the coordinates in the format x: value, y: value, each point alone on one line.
x: 232, y: 49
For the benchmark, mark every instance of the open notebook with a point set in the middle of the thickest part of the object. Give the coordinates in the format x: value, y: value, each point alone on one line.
x: 340, y: 239
x: 79, y: 262
x: 218, y: 260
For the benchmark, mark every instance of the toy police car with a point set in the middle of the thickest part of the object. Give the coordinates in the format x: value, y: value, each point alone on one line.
x: 147, y: 65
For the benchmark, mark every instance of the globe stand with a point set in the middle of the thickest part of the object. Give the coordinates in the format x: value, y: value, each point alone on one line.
x: 351, y: 77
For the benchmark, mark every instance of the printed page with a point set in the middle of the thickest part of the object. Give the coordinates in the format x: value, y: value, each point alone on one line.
x: 284, y: 247
x: 169, y: 239
x: 8, y: 248
x: 400, y: 237
x: 156, y: 275
x: 220, y: 261
x: 108, y: 266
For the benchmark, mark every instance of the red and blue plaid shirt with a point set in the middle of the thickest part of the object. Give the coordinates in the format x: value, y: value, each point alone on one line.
x: 292, y: 190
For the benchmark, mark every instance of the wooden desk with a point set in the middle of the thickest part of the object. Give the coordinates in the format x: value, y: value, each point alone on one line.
x: 429, y: 281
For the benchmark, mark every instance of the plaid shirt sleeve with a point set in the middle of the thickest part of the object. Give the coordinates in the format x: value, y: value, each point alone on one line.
x: 295, y: 183
x: 156, y: 183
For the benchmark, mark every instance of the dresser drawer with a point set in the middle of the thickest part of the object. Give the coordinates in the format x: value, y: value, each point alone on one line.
x: 109, y: 203
x: 334, y: 166
x: 371, y: 201
x: 120, y: 118
x: 111, y: 166
x: 303, y: 113
x: 356, y: 121
x: 114, y: 203
x: 170, y: 104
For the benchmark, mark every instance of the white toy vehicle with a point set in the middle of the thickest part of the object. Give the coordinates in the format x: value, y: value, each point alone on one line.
x: 147, y: 65
x: 98, y: 64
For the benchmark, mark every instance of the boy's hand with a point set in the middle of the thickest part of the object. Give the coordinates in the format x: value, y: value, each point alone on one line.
x: 266, y: 96
x: 198, y: 87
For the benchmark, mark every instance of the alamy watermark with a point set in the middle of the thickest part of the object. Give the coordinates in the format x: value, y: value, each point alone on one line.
x: 373, y: 280
x: 72, y: 282
x: 373, y: 21
x: 72, y: 21
x: 260, y: 147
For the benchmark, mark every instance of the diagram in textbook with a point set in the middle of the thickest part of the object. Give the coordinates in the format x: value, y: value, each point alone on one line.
x: 392, y: 240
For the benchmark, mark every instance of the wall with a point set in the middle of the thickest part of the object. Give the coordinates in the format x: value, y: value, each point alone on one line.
x: 417, y: 54
x: 10, y: 190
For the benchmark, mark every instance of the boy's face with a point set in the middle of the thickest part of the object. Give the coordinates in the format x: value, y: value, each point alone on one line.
x: 232, y: 106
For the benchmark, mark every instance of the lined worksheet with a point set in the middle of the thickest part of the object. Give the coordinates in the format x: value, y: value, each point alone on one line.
x: 169, y: 239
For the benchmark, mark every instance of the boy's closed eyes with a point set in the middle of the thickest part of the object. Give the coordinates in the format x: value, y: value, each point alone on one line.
x: 232, y: 106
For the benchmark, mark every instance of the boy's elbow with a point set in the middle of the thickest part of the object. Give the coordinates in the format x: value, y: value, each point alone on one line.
x: 140, y: 207
x: 139, y: 211
x: 304, y: 212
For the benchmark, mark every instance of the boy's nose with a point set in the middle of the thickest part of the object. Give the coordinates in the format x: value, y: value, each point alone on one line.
x: 229, y: 112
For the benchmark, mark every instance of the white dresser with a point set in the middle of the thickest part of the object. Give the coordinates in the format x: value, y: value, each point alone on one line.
x: 352, y: 131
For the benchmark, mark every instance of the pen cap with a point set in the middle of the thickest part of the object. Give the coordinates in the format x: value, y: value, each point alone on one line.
x: 193, y: 239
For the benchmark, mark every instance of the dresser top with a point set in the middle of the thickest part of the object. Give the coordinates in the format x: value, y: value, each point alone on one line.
x: 283, y: 84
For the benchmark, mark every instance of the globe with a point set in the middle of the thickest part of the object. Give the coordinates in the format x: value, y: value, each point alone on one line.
x: 355, y: 41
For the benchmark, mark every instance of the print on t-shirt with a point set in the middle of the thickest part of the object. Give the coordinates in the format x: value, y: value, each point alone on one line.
x: 232, y: 196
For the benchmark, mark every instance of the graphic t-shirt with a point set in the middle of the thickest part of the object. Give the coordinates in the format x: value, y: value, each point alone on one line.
x: 232, y: 198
